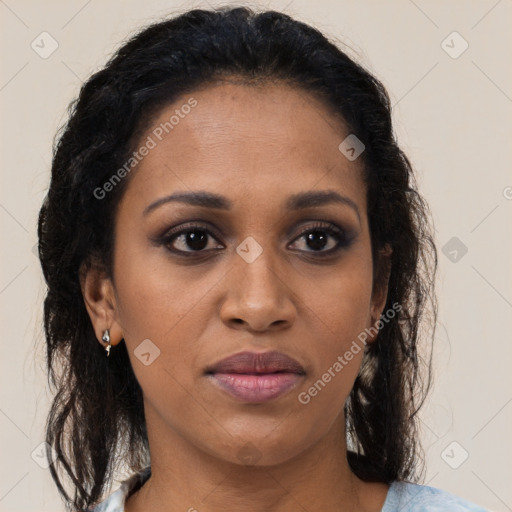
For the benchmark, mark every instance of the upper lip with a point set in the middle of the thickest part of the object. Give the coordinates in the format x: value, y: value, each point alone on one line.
x: 254, y: 362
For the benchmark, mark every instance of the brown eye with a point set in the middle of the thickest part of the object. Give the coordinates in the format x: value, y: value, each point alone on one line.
x: 190, y: 239
x: 322, y: 239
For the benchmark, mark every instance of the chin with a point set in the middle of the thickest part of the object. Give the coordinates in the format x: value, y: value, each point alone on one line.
x: 259, y: 452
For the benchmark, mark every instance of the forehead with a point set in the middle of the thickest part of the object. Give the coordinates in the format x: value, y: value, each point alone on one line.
x: 267, y: 140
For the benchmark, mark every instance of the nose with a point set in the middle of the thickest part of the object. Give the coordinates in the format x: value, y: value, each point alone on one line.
x: 258, y: 298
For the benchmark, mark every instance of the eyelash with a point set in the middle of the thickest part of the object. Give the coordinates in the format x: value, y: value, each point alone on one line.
x: 342, y: 240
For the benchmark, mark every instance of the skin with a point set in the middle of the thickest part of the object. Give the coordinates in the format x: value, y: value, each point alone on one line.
x: 255, y: 145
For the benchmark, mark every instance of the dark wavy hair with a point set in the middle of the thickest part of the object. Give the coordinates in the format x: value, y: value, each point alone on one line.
x: 96, y: 421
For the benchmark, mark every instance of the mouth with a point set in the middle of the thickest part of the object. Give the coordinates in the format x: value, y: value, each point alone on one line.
x: 256, y: 377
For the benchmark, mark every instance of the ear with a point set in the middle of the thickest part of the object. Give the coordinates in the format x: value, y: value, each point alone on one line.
x: 99, y: 297
x: 380, y: 289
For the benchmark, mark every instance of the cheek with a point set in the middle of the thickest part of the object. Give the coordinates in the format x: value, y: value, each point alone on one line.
x: 338, y: 315
x: 155, y: 297
x: 341, y: 300
x: 170, y: 306
x: 342, y: 314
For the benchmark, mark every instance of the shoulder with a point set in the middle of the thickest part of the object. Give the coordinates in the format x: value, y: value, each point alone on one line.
x: 115, y: 502
x: 409, y: 497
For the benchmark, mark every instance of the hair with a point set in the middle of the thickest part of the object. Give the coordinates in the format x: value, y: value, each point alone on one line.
x: 97, y: 418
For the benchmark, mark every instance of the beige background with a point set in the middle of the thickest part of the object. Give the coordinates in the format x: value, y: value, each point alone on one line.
x: 453, y: 118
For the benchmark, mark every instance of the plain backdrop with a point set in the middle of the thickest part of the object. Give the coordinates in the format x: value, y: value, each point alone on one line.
x: 446, y: 65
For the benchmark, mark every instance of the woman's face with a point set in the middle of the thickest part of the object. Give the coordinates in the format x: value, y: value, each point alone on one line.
x: 260, y: 268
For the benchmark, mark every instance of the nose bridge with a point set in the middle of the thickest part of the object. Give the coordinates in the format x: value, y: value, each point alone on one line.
x: 257, y: 269
x: 256, y: 294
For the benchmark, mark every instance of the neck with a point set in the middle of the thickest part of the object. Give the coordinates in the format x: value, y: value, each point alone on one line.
x: 184, y: 477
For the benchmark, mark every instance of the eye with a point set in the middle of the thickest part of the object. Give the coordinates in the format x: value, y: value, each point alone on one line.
x: 321, y: 236
x: 190, y: 239
x: 321, y: 239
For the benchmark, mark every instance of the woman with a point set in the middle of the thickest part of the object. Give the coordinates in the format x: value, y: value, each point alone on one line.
x: 238, y: 264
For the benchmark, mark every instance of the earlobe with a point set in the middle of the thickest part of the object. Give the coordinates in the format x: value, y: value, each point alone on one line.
x: 99, y: 298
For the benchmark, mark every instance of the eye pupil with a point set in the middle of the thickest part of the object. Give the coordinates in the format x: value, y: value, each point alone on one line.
x: 316, y: 240
x: 196, y: 240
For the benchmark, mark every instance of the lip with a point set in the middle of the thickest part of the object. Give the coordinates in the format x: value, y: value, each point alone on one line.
x: 256, y: 377
x: 257, y: 362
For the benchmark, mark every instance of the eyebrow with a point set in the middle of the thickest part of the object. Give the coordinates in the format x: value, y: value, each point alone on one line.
x: 295, y: 202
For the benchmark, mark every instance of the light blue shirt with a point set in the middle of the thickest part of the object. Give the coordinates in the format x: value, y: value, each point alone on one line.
x: 401, y: 497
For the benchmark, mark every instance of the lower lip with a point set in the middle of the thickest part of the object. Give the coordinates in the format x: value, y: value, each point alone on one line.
x: 256, y: 388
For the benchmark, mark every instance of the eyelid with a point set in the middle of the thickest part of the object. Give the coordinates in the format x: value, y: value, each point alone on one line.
x: 344, y: 236
x: 321, y: 224
x: 189, y: 225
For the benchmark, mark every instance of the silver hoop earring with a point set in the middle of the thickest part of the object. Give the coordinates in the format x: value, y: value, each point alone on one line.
x: 106, y: 339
